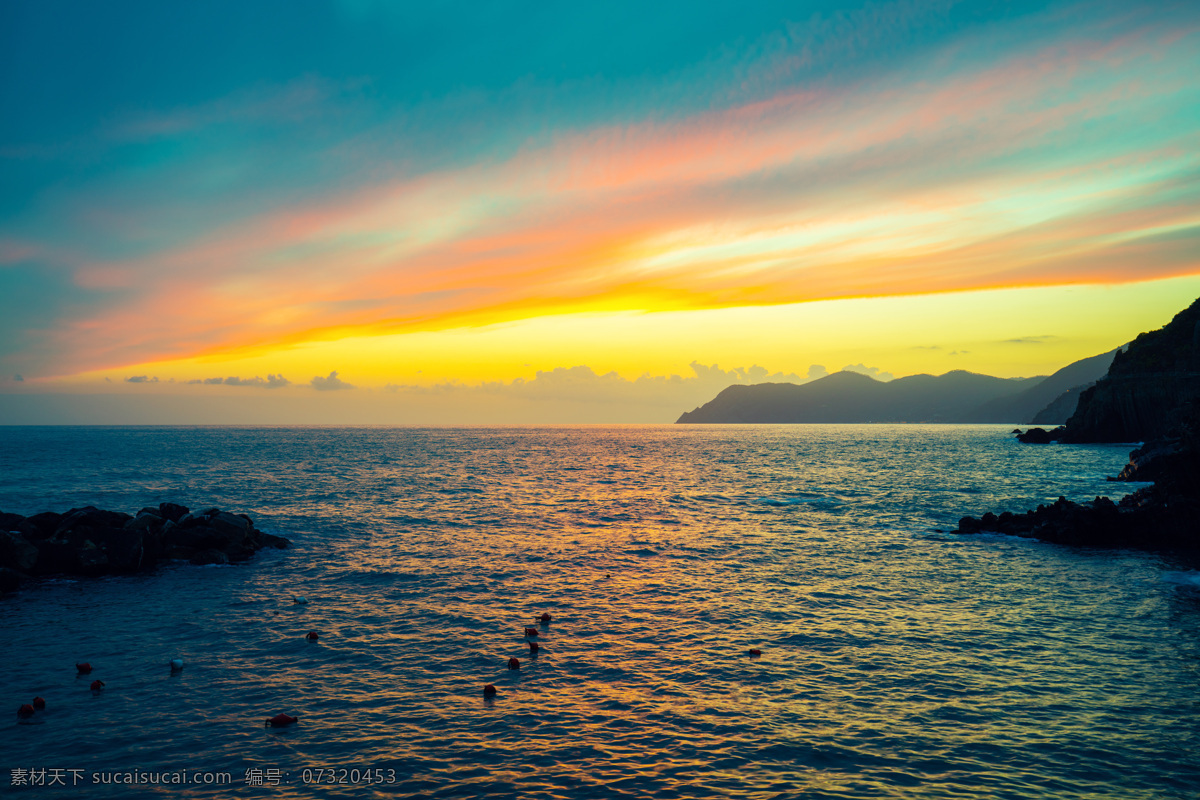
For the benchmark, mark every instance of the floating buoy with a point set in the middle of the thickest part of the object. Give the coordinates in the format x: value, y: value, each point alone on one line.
x: 25, y: 711
x: 312, y: 636
x: 514, y: 664
x: 300, y: 601
x: 176, y: 664
x: 531, y: 631
x: 754, y: 651
x: 83, y: 668
x: 97, y: 685
x: 545, y: 618
x: 533, y: 648
x: 489, y: 691
x: 281, y: 721
x: 39, y: 702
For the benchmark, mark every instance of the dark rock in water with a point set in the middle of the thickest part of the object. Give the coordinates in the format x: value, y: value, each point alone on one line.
x: 9, y: 522
x: 172, y: 511
x: 10, y: 579
x: 210, y: 557
x: 1039, y: 435
x: 16, y: 552
x: 41, y: 526
x: 90, y: 541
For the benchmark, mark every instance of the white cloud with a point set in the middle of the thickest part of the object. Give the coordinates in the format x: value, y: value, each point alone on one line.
x: 330, y: 384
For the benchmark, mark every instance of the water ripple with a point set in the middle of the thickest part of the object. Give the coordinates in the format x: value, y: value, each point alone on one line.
x: 896, y: 661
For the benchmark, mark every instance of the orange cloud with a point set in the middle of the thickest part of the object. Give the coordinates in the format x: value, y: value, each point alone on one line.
x: 918, y: 186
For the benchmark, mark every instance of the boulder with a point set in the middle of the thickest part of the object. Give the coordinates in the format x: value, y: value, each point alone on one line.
x: 210, y: 556
x: 172, y: 511
x: 41, y: 526
x: 17, y: 552
x: 92, y: 560
x: 90, y: 517
x: 10, y: 522
x: 10, y: 580
x: 145, y: 520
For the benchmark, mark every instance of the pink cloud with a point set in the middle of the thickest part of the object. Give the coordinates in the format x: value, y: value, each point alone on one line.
x: 585, y: 217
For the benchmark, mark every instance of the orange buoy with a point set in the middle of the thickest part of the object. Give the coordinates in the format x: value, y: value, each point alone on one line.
x: 312, y: 636
x: 97, y: 685
x: 84, y: 668
x: 531, y: 631
x: 533, y: 648
x: 545, y: 618
x: 754, y: 651
x: 514, y: 664
x: 281, y: 721
x: 39, y: 702
x: 489, y: 690
x: 25, y: 711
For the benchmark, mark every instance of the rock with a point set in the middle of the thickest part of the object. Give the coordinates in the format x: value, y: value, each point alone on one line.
x: 16, y: 552
x: 10, y: 580
x: 91, y: 541
x: 210, y: 556
x: 124, y: 548
x: 145, y: 520
x: 90, y: 517
x: 1039, y: 435
x: 278, y: 542
x: 41, y: 526
x: 57, y: 557
x: 10, y: 522
x: 230, y: 522
x: 172, y: 511
x: 91, y: 559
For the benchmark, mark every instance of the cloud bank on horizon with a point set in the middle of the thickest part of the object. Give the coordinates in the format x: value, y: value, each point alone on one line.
x: 211, y: 181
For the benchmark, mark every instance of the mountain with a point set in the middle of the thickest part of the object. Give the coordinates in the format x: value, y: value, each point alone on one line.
x: 956, y: 396
x: 1052, y: 400
x: 851, y: 397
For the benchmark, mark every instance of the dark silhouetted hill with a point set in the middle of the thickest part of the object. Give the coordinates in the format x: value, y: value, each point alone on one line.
x: 851, y: 397
x: 1052, y: 400
x: 1149, y: 390
x: 956, y: 397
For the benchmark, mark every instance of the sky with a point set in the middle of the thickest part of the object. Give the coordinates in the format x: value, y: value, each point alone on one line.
x: 527, y: 212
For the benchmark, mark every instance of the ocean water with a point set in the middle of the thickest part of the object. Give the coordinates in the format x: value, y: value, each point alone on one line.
x: 897, y: 660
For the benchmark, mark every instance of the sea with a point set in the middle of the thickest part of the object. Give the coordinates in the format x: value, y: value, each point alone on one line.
x: 898, y: 660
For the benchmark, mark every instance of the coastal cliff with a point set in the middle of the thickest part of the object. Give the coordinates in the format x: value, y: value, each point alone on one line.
x: 1149, y: 390
x: 1151, y: 393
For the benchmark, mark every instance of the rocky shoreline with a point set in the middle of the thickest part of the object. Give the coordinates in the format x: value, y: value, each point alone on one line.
x: 1151, y: 394
x: 90, y: 541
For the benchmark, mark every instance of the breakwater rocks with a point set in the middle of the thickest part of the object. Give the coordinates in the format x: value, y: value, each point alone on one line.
x: 1139, y: 521
x: 90, y: 541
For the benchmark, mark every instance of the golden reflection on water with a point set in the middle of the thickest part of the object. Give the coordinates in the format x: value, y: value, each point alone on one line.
x: 896, y: 662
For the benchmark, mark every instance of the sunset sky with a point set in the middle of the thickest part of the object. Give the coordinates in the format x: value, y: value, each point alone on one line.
x: 564, y: 212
